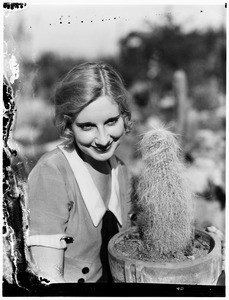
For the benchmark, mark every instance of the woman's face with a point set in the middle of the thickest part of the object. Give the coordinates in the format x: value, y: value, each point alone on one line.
x: 98, y: 128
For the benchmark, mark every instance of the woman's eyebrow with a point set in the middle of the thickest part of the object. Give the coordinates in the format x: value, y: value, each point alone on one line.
x: 84, y: 123
x: 113, y: 118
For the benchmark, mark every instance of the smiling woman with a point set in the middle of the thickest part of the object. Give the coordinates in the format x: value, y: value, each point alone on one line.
x: 77, y: 193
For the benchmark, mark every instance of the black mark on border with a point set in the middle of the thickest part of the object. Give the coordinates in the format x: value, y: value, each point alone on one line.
x: 13, y: 5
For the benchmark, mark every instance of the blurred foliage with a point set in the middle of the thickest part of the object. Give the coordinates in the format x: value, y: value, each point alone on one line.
x: 153, y: 55
x: 166, y: 48
x: 48, y: 69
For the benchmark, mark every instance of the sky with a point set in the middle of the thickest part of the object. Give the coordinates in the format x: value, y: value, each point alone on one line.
x: 90, y: 31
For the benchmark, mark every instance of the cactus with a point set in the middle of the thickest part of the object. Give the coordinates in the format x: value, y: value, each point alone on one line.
x: 164, y: 205
x: 180, y: 92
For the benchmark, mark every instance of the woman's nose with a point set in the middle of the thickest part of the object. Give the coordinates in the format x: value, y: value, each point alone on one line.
x: 102, y: 137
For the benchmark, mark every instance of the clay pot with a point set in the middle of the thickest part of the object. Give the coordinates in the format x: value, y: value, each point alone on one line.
x: 201, y: 271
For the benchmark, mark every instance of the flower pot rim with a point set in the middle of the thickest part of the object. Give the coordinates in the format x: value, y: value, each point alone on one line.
x: 216, y: 250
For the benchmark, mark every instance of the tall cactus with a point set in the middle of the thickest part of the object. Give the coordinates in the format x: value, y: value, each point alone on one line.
x: 164, y: 200
x: 180, y: 92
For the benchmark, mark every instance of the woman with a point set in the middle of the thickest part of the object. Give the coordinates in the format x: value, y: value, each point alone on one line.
x: 77, y: 193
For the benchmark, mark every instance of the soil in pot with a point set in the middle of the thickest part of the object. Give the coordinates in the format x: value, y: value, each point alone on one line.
x: 131, y: 246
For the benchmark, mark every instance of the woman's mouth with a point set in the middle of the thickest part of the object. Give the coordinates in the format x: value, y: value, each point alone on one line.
x: 102, y: 149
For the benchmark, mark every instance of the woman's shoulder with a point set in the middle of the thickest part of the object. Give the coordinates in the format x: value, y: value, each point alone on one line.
x: 54, y: 156
x: 52, y: 160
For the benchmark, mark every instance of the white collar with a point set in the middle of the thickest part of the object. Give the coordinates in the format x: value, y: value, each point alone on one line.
x: 89, y: 191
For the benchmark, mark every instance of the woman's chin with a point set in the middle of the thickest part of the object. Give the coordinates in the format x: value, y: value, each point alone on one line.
x: 103, y: 155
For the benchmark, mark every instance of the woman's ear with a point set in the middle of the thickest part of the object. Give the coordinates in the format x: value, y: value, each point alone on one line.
x: 127, y: 124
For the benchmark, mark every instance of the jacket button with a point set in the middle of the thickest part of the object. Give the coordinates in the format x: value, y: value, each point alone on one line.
x: 85, y: 270
x: 81, y: 280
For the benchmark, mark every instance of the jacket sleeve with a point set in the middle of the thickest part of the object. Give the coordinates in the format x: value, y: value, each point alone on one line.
x: 48, y: 207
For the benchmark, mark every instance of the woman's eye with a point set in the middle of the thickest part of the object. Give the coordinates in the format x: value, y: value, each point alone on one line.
x: 112, y: 122
x: 86, y: 127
